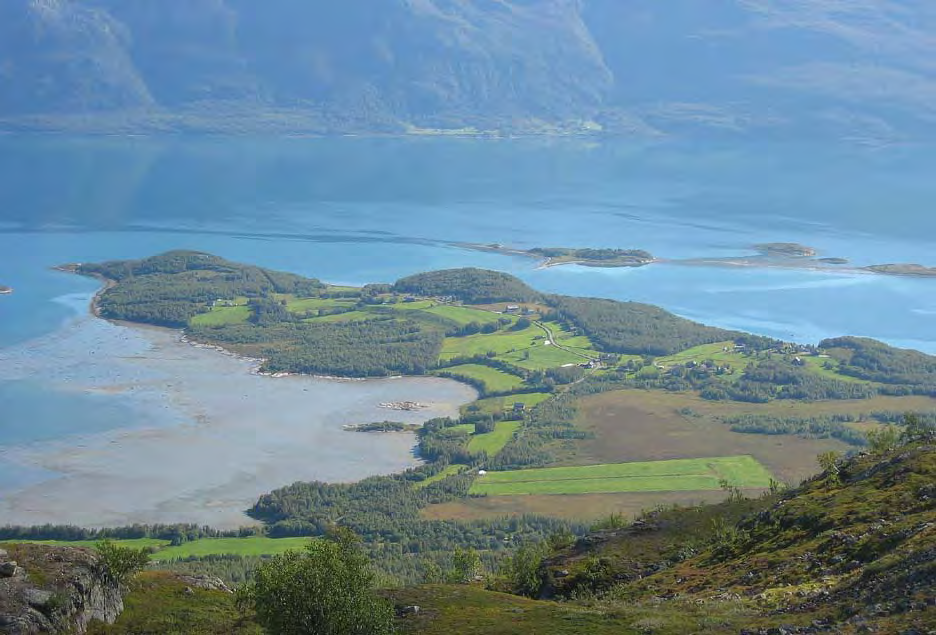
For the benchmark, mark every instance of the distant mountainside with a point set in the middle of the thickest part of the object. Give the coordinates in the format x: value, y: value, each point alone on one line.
x: 864, y: 69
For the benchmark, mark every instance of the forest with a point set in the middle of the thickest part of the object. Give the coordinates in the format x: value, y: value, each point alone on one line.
x: 875, y: 361
x: 471, y: 286
x: 172, y: 288
x: 634, y: 328
x: 371, y: 348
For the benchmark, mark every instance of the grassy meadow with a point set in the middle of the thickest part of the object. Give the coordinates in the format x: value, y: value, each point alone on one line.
x: 494, y: 380
x: 494, y: 442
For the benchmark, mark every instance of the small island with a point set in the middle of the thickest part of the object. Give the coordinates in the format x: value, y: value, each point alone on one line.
x: 781, y: 255
x: 919, y: 271
x: 4, y: 290
x: 785, y: 250
x: 586, y: 257
x: 555, y: 256
x: 383, y: 426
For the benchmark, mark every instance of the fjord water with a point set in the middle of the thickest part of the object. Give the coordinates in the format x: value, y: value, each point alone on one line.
x: 357, y: 210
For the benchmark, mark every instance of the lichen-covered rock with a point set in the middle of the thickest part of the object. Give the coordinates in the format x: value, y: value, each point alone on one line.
x: 207, y: 582
x: 53, y: 590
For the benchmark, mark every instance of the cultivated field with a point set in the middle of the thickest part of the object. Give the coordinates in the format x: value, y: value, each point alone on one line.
x: 640, y: 425
x: 500, y: 343
x: 493, y: 379
x: 450, y: 470
x: 222, y: 315
x: 252, y: 546
x: 463, y: 315
x: 647, y: 476
x: 494, y: 442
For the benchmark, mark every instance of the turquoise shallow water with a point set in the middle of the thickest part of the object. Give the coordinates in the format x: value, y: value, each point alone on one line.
x: 366, y: 210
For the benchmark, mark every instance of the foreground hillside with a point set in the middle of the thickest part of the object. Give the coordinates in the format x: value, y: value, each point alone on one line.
x: 851, y: 551
x: 847, y: 69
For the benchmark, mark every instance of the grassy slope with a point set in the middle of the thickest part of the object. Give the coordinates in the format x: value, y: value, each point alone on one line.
x: 222, y: 315
x: 448, y: 471
x: 500, y: 343
x: 494, y: 442
x: 159, y: 605
x: 848, y: 556
x: 495, y: 380
x: 468, y: 610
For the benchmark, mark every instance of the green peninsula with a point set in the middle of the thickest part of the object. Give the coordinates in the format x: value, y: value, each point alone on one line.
x: 587, y: 407
x: 538, y: 361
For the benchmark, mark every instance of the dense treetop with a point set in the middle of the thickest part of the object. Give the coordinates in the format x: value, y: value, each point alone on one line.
x: 171, y: 288
x: 876, y: 361
x: 472, y: 286
x: 634, y: 328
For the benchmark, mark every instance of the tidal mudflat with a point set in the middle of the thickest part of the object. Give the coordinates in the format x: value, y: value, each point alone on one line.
x: 170, y: 432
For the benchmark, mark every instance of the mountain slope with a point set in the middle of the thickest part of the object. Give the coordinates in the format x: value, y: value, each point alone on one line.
x: 856, y: 68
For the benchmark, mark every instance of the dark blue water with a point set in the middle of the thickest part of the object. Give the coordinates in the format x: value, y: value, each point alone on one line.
x: 366, y: 210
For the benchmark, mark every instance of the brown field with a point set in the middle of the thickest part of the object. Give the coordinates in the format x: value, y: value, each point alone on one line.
x: 639, y: 425
x: 584, y: 507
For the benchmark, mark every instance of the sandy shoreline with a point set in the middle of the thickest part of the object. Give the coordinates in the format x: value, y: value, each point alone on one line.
x: 210, y: 435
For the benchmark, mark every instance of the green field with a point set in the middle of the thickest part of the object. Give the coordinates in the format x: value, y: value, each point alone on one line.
x: 541, y: 357
x: 494, y: 380
x: 419, y: 305
x: 350, y: 316
x: 494, y: 442
x: 490, y: 442
x: 500, y: 343
x: 715, y: 352
x: 645, y: 476
x: 448, y: 471
x: 250, y: 546
x: 314, y: 304
x: 463, y: 315
x: 817, y: 365
x: 563, y: 337
x: 222, y: 315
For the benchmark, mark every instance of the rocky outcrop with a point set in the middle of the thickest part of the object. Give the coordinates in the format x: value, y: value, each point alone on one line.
x: 47, y: 589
